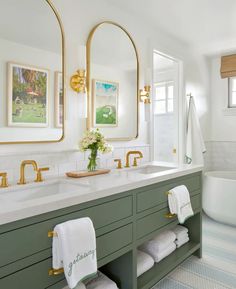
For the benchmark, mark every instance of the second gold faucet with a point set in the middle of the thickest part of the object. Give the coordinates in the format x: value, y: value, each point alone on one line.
x: 127, y: 165
x: 38, y: 171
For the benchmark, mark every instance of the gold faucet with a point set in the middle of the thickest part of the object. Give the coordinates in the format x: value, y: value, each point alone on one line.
x: 4, y: 182
x: 36, y: 169
x: 22, y: 170
x: 132, y: 153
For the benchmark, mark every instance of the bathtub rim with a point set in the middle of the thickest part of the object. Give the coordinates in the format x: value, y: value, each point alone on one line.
x: 222, y: 175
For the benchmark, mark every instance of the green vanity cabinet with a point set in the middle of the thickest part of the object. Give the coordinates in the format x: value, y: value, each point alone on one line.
x: 122, y: 222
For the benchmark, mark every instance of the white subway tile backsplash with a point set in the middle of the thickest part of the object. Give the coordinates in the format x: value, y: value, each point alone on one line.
x: 61, y: 162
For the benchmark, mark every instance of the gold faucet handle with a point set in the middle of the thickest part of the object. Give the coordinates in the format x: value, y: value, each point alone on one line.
x: 39, y: 177
x: 4, y: 181
x: 135, y: 163
x: 119, y: 163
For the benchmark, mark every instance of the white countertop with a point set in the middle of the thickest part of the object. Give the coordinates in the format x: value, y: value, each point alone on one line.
x: 18, y: 202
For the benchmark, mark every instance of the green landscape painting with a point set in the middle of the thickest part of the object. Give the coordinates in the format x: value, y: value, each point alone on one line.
x: 28, y: 96
x: 105, y: 99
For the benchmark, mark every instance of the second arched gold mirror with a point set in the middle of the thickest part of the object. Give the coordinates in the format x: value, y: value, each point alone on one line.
x: 112, y: 82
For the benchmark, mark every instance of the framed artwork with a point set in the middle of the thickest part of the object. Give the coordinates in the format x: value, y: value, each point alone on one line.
x: 58, y: 99
x: 105, y: 103
x: 28, y: 89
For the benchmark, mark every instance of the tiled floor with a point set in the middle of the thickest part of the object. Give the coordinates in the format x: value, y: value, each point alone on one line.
x: 217, y: 268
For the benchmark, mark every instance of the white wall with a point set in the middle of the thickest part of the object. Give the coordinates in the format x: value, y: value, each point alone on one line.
x: 79, y: 17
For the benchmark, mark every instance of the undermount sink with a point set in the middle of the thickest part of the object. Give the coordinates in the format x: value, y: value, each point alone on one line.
x: 34, y: 192
x: 151, y: 169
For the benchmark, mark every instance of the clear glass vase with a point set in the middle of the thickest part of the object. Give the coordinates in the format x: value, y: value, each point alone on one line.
x: 92, y: 165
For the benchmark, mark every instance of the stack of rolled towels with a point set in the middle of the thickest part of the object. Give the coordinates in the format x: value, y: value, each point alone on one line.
x: 101, y: 281
x: 158, y: 248
x: 182, y: 236
x: 161, y: 246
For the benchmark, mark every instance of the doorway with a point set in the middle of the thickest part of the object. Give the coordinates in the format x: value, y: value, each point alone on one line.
x: 166, y: 124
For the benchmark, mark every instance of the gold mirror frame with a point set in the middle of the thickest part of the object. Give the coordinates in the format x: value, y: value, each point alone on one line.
x: 88, y: 84
x: 49, y: 2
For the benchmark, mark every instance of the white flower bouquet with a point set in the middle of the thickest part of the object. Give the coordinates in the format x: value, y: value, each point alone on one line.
x: 95, y: 142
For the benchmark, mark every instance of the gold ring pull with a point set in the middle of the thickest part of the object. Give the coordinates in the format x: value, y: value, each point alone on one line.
x: 52, y: 234
x: 170, y: 216
x: 55, y: 272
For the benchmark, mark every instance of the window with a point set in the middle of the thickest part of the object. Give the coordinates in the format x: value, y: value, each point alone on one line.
x: 232, y: 92
x: 164, y: 98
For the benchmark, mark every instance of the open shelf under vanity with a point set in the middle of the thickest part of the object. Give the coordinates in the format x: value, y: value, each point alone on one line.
x: 161, y: 269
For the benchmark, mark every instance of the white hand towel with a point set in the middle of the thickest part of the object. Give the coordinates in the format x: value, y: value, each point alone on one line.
x: 195, y: 146
x: 161, y: 241
x: 79, y: 286
x: 101, y: 282
x: 181, y: 242
x: 180, y: 231
x: 144, y: 262
x: 158, y: 256
x: 74, y: 249
x: 180, y: 204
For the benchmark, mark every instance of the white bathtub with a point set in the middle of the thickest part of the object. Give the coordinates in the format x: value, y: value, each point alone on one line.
x: 219, y: 196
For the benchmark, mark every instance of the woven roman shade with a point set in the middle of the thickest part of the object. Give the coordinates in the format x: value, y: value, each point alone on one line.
x: 228, y: 66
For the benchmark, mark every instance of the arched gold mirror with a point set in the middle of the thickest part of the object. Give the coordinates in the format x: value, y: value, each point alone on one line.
x: 112, y: 82
x: 31, y: 72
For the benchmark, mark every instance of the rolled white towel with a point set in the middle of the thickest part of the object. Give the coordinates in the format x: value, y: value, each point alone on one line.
x: 180, y: 231
x: 144, y: 262
x: 160, y: 242
x: 158, y: 256
x: 101, y: 282
x: 181, y: 242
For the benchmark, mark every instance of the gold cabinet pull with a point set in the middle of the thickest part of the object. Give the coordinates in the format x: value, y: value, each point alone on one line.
x: 52, y: 234
x: 170, y: 216
x: 55, y: 272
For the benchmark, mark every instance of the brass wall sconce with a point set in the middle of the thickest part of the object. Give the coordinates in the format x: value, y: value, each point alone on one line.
x: 78, y: 81
x: 144, y: 94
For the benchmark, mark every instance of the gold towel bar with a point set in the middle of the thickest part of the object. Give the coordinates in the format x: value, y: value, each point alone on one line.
x: 168, y: 193
x: 52, y: 234
x: 55, y: 272
x: 170, y: 216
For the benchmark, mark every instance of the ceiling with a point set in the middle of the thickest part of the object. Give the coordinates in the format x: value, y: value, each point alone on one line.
x: 207, y: 25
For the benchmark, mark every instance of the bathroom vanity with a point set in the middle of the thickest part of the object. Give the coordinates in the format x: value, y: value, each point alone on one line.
x: 127, y: 208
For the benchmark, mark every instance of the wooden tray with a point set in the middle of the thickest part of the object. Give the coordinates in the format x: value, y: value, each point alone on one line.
x: 82, y: 174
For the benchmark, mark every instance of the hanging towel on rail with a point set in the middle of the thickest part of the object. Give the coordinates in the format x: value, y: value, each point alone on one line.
x: 180, y: 203
x: 74, y: 249
x: 195, y: 146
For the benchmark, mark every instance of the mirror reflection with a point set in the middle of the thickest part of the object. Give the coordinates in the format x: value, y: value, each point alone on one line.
x: 31, y: 72
x: 113, y: 82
